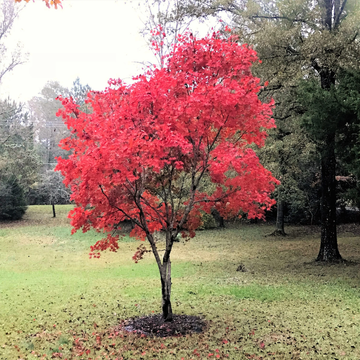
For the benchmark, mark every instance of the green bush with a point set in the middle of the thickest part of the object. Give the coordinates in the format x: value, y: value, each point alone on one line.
x: 12, y: 199
x: 208, y: 221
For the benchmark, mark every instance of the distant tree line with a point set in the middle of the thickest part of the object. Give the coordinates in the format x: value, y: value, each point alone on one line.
x: 29, y: 138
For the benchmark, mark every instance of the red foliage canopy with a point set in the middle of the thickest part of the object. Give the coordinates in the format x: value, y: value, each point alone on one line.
x: 174, y: 142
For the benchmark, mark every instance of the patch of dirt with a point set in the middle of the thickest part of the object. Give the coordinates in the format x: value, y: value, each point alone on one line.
x: 154, y: 325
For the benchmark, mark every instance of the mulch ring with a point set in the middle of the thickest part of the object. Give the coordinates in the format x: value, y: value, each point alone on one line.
x: 154, y: 325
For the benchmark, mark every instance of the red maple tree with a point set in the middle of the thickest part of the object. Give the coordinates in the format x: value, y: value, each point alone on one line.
x: 148, y: 151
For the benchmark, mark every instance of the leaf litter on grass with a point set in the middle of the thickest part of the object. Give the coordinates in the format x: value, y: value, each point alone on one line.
x: 280, y: 309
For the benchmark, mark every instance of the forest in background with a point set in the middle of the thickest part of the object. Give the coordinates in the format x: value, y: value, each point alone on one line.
x: 309, y: 64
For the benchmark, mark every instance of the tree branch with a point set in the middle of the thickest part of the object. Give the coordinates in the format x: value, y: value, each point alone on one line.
x: 337, y: 18
x: 121, y: 210
x: 278, y: 17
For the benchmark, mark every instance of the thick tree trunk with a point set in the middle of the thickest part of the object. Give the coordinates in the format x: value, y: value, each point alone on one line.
x: 166, y: 290
x: 328, y: 248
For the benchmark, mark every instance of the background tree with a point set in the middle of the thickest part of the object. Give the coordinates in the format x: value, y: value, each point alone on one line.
x: 145, y: 150
x: 12, y: 199
x: 162, y: 25
x: 79, y: 93
x: 51, y: 190
x: 18, y: 160
x: 18, y: 155
x: 291, y: 156
x: 341, y: 104
x: 48, y: 128
x: 9, y: 59
x: 348, y: 140
x: 297, y: 40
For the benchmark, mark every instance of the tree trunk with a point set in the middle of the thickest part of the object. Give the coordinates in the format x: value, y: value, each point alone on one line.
x: 328, y: 248
x: 166, y: 290
x: 283, y: 157
x: 53, y: 209
x: 280, y: 217
x: 279, y: 231
x: 165, y: 274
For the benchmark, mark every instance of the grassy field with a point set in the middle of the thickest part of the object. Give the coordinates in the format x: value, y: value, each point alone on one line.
x: 57, y: 303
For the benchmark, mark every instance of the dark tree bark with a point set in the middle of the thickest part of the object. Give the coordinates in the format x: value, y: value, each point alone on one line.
x: 53, y: 209
x: 280, y: 217
x: 280, y: 203
x: 221, y: 222
x: 328, y: 247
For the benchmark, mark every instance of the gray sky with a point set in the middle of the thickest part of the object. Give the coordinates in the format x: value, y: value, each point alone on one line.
x: 91, y: 39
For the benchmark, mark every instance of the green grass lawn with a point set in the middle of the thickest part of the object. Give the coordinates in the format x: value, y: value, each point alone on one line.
x: 55, y: 302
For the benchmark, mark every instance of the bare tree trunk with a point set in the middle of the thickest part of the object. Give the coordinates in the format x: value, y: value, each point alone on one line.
x: 328, y: 247
x: 279, y: 231
x: 280, y: 217
x: 166, y: 290
x: 165, y: 276
x: 53, y: 209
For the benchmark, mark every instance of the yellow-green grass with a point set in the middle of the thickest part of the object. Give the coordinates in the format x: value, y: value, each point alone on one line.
x: 56, y: 302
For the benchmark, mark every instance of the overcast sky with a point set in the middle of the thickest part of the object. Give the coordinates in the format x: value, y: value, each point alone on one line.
x: 91, y: 39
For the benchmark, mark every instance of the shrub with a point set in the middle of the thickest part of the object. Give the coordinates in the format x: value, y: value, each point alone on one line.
x: 12, y: 199
x: 208, y: 221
